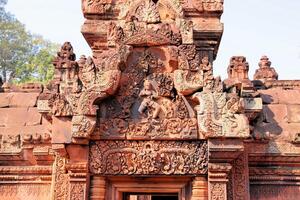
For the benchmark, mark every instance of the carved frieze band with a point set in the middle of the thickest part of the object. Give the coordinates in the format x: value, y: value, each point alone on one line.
x: 148, y: 158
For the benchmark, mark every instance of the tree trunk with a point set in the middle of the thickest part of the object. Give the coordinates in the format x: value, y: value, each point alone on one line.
x: 4, y: 75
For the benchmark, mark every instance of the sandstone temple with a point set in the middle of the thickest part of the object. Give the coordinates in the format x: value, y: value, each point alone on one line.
x: 144, y: 117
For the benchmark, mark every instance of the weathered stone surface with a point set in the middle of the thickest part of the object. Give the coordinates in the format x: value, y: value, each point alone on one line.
x: 5, y: 99
x: 18, y: 99
x: 13, y: 116
x: 10, y: 117
x: 61, y: 130
x: 19, y: 129
x: 24, y: 99
x: 275, y: 113
x: 268, y: 192
x: 293, y: 113
x: 269, y: 96
x: 289, y: 96
x: 33, y: 117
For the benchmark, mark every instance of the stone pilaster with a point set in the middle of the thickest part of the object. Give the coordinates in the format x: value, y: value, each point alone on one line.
x: 240, y: 178
x: 217, y: 180
x: 79, y: 181
x: 60, y: 178
x: 222, y: 156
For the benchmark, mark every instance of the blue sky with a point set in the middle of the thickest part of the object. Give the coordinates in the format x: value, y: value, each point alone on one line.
x: 252, y: 28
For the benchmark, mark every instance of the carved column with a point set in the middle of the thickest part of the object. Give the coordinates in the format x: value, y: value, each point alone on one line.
x: 199, y: 189
x: 217, y: 180
x: 98, y: 188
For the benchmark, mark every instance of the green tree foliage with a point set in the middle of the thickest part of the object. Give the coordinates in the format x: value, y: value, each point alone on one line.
x: 38, y: 66
x: 23, y: 57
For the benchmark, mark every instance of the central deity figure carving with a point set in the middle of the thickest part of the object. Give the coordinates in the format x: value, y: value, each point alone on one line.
x: 150, y: 95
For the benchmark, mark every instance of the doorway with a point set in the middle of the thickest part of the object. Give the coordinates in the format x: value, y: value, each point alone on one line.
x: 150, y: 196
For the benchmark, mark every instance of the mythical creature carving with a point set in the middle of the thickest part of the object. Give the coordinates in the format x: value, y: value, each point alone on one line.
x: 189, y: 77
x: 209, y: 112
x: 234, y: 123
x: 83, y: 126
x: 148, y: 158
x: 219, y: 116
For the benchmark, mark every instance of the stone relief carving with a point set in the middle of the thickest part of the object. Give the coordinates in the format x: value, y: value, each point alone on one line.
x: 189, y: 77
x: 218, y: 191
x: 235, y: 123
x: 208, y: 5
x: 61, y: 179
x: 39, y: 142
x: 148, y: 158
x: 159, y: 10
x: 10, y: 143
x: 83, y: 126
x: 149, y: 96
x: 221, y: 116
x: 240, y: 178
x: 144, y: 84
x: 77, y: 191
x: 97, y: 6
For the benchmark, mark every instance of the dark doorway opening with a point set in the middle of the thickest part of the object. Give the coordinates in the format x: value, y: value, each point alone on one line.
x: 127, y: 196
x: 164, y: 197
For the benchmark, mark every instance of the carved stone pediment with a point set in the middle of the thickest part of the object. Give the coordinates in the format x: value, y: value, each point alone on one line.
x: 147, y: 81
x: 146, y: 104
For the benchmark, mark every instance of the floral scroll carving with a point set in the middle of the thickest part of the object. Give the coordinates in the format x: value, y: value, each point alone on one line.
x: 77, y: 191
x: 148, y: 158
x: 218, y: 191
x: 61, y: 179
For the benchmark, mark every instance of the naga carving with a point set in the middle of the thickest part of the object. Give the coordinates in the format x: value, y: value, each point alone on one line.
x: 75, y: 92
x: 220, y: 115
